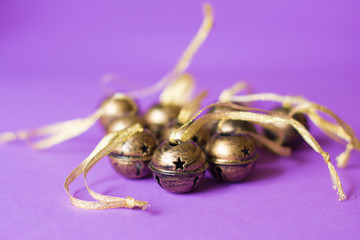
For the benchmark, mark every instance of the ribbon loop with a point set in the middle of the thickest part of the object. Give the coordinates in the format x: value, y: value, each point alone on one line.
x: 337, y: 131
x: 105, y: 146
x: 248, y: 114
x: 63, y: 131
x: 185, y: 59
x: 227, y: 94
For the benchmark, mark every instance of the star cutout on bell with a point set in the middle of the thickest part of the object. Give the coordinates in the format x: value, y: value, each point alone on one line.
x: 179, y: 164
x: 144, y: 149
x: 245, y: 150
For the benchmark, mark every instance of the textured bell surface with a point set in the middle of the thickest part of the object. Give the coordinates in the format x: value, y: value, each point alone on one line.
x: 122, y: 123
x: 291, y: 137
x: 201, y: 137
x: 131, y: 158
x: 231, y: 156
x: 178, y: 168
x: 117, y: 108
x: 159, y: 115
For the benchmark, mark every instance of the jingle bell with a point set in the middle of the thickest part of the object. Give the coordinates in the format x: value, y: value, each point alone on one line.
x: 131, y: 158
x: 201, y: 137
x: 119, y: 124
x: 158, y: 116
x: 231, y: 156
x: 178, y: 168
x: 291, y: 137
x: 117, y: 107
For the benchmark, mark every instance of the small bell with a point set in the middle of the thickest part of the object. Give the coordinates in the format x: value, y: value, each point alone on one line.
x: 231, y: 156
x: 291, y: 137
x: 120, y: 124
x: 158, y: 116
x: 117, y: 106
x: 201, y: 137
x: 178, y: 167
x: 131, y: 158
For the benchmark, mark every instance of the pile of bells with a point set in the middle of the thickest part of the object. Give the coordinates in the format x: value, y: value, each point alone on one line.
x: 228, y: 152
x: 176, y: 147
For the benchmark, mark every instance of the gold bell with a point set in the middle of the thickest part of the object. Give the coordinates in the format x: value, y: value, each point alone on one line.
x: 117, y: 106
x: 231, y: 156
x: 291, y: 137
x: 178, y: 167
x: 131, y: 158
x: 158, y: 116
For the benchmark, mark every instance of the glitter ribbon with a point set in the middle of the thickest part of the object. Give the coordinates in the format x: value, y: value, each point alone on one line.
x: 105, y: 146
x: 179, y: 92
x: 249, y: 114
x: 60, y: 132
x: 338, y: 131
x: 190, y: 109
x: 63, y: 131
x: 185, y: 59
x: 228, y: 93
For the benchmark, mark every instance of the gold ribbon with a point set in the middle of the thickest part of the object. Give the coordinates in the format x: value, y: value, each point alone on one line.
x: 275, y: 147
x: 264, y: 117
x: 190, y: 109
x: 179, y: 92
x: 105, y: 146
x: 337, y: 131
x: 185, y: 59
x: 185, y: 83
x: 227, y: 94
x: 60, y: 132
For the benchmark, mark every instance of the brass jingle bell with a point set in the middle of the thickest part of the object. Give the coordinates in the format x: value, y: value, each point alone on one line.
x: 231, y: 156
x: 178, y: 168
x: 119, y: 124
x: 159, y: 115
x: 117, y: 107
x: 201, y: 137
x: 131, y: 158
x: 291, y: 137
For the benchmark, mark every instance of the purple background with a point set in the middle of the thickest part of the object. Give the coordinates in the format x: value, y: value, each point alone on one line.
x: 53, y: 53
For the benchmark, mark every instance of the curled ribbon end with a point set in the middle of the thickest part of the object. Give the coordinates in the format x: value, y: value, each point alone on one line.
x: 341, y: 162
x: 342, y: 197
x: 208, y: 11
x: 335, y: 178
x: 343, y: 158
x: 132, y: 203
x: 7, y: 137
x: 227, y: 94
x: 145, y: 206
